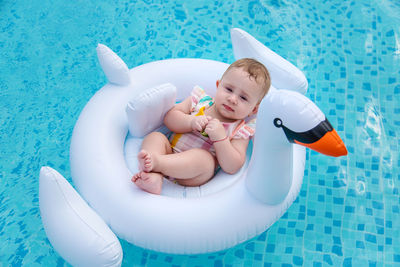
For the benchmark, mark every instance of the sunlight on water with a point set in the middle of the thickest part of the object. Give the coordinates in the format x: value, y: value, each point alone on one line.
x: 373, y: 123
x: 360, y: 187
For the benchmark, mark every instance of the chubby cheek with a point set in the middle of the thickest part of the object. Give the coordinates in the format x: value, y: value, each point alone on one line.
x: 245, y: 111
x: 219, y: 96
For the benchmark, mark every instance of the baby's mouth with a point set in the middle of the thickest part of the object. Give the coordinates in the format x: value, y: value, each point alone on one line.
x: 227, y: 107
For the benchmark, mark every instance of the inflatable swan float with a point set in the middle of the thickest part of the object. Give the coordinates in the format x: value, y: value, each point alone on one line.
x: 230, y: 209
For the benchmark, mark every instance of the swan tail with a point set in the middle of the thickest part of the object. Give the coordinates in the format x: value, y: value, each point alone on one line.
x: 74, y: 229
x: 114, y: 67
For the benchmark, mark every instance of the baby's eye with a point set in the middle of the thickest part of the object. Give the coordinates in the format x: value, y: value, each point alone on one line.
x: 229, y: 89
x: 243, y: 98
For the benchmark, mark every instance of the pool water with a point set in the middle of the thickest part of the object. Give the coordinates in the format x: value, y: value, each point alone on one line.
x: 348, y: 210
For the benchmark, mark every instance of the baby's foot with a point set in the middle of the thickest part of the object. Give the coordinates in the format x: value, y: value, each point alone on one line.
x: 149, y: 181
x: 146, y: 162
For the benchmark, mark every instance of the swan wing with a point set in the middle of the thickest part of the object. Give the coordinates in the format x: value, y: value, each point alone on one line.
x: 74, y: 229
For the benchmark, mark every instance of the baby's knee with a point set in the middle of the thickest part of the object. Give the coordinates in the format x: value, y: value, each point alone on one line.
x: 206, y: 158
x: 157, y: 135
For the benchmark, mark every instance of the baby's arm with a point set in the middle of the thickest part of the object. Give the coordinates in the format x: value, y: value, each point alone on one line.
x: 231, y: 154
x: 179, y: 120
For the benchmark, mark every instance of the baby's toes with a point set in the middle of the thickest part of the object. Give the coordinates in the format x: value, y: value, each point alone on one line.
x: 135, y: 177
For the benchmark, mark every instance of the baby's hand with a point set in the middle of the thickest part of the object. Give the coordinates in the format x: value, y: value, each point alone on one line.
x: 198, y: 123
x: 215, y: 130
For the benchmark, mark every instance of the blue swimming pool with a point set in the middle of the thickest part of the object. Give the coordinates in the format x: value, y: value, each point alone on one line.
x: 348, y: 210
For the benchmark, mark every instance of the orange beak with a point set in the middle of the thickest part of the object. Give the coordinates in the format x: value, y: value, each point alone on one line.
x: 330, y: 144
x: 322, y: 138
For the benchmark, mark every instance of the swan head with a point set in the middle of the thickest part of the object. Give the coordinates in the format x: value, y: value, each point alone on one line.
x: 286, y: 117
x: 298, y: 120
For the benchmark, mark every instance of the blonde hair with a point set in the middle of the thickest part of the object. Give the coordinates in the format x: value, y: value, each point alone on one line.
x: 256, y: 70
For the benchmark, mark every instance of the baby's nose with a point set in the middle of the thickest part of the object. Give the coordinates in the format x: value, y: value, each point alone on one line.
x: 233, y: 98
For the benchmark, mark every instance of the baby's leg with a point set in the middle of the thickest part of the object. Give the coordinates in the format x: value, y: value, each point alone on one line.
x: 153, y: 144
x: 193, y: 167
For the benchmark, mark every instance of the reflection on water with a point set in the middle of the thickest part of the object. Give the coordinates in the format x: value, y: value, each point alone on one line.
x: 397, y: 50
x: 373, y: 122
x: 360, y: 187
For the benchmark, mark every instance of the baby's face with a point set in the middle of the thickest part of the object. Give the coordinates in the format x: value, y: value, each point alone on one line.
x: 237, y: 95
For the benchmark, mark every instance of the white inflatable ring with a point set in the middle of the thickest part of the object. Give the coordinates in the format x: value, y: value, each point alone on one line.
x: 215, y: 219
x: 162, y: 223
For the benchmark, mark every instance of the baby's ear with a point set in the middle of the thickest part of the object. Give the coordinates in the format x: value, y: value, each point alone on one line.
x: 255, y: 110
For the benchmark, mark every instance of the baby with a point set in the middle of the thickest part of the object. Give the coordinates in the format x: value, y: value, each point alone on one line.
x: 208, y: 133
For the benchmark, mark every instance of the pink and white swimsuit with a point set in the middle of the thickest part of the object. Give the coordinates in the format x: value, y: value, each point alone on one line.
x: 239, y: 129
